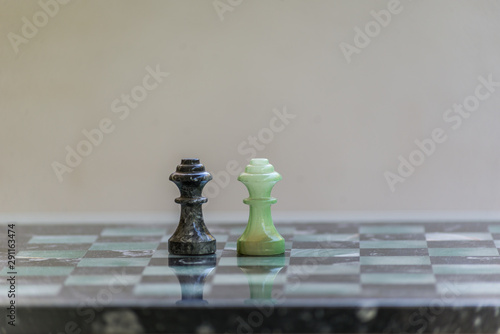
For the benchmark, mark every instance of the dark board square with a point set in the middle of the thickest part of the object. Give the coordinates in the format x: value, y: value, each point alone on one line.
x: 381, y: 237
x: 159, y: 279
x: 324, y: 261
x: 451, y: 227
x: 319, y: 228
x: 461, y: 244
x: 329, y: 245
x: 229, y: 291
x: 337, y: 278
x: 90, y: 294
x: 113, y: 271
x: 59, y: 229
x: 399, y: 291
x: 158, y: 262
x: 40, y: 280
x: 394, y: 252
x: 416, y: 269
x: 163, y: 245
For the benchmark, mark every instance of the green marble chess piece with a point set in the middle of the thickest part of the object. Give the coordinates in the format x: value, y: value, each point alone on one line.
x: 260, y: 236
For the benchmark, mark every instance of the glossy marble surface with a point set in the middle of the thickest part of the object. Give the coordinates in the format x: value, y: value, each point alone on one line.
x: 375, y: 277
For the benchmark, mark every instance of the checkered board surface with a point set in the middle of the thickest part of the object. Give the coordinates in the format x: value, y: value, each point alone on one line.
x: 113, y: 264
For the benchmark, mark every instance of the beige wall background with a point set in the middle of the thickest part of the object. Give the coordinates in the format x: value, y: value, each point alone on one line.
x: 233, y: 66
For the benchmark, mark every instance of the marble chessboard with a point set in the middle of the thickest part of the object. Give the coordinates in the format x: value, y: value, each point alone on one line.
x: 333, y: 277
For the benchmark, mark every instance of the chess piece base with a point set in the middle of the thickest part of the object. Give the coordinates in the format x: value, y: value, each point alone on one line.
x: 192, y: 248
x: 262, y: 248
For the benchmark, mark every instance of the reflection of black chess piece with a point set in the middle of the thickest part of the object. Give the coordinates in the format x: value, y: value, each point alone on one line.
x: 261, y: 273
x: 191, y: 272
x: 191, y: 236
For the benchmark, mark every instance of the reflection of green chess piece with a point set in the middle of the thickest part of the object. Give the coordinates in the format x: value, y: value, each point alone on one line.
x: 261, y: 273
x: 260, y: 236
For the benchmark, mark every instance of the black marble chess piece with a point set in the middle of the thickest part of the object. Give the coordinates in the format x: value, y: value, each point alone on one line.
x: 191, y: 271
x: 191, y: 236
